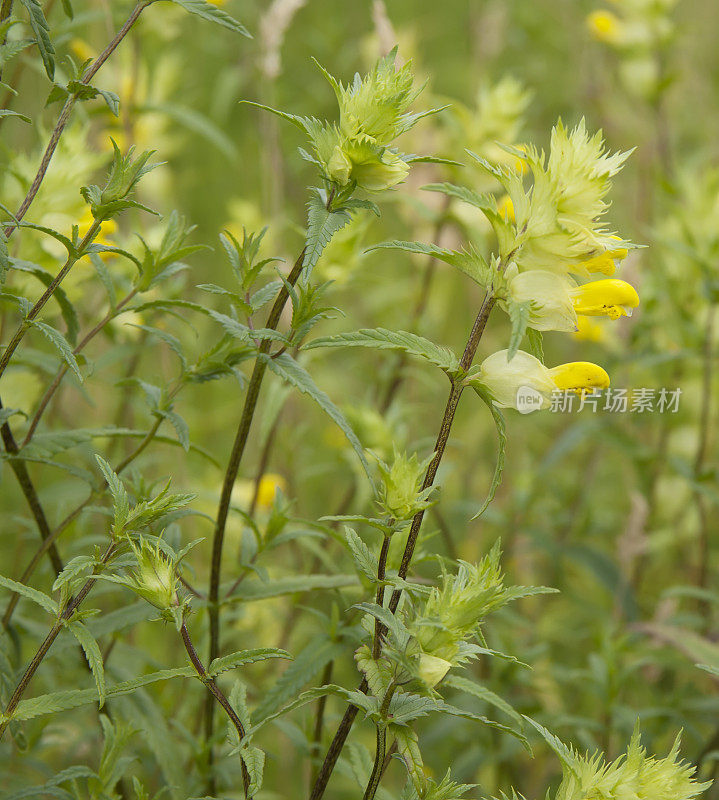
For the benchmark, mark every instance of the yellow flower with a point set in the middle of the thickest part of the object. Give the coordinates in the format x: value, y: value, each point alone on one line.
x: 611, y: 297
x: 589, y: 331
x: 109, y: 226
x: 604, y: 26
x: 526, y: 384
x: 270, y: 483
x: 605, y: 262
x: 505, y: 207
x: 579, y: 376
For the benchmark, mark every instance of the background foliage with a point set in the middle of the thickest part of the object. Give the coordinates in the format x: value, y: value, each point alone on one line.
x: 617, y: 511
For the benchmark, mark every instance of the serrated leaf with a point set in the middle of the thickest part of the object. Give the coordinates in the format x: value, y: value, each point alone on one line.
x: 41, y: 31
x: 289, y: 370
x: 74, y: 698
x: 305, y: 666
x: 487, y: 695
x: 363, y: 556
x: 470, y: 262
x: 112, y: 100
x: 519, y: 316
x: 46, y: 278
x: 37, y: 597
x: 93, y: 655
x: 254, y: 760
x: 243, y: 657
x: 534, y: 344
x: 118, y: 492
x: 61, y: 345
x: 212, y: 13
x: 321, y: 226
x: 561, y: 750
x: 498, y: 418
x: 384, y: 339
x: 484, y: 202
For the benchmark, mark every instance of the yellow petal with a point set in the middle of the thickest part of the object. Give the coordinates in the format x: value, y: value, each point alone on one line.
x: 269, y: 485
x: 579, y: 376
x: 604, y: 25
x: 612, y: 298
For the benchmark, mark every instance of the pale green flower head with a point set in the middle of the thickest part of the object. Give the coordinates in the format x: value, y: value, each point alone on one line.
x: 633, y: 776
x: 155, y: 576
x: 455, y: 610
x: 557, y: 221
x: 400, y: 493
x: 377, y: 105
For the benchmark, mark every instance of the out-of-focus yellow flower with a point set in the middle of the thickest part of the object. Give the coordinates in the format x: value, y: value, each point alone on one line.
x: 589, y: 331
x: 108, y: 227
x: 604, y: 26
x: 611, y: 298
x: 82, y: 49
x: 270, y: 484
x: 579, y: 376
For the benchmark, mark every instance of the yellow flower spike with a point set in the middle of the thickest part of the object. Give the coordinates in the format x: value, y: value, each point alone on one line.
x: 505, y: 208
x: 579, y: 377
x: 612, y: 298
x: 604, y: 26
x: 269, y: 485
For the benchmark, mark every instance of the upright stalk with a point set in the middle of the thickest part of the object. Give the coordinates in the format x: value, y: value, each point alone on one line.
x: 42, y: 651
x: 450, y: 410
x: 238, y: 449
x: 218, y: 695
x: 378, y: 768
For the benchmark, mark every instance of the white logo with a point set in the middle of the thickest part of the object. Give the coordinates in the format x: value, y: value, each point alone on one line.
x: 528, y: 400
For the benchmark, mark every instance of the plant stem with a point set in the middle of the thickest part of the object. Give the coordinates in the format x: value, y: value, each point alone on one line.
x: 72, y: 259
x: 320, y: 716
x: 455, y: 393
x: 28, y: 489
x: 42, y: 651
x: 52, y: 388
x: 379, y: 598
x: 378, y: 768
x: 49, y: 541
x: 238, y: 449
x: 218, y: 695
x: 64, y: 117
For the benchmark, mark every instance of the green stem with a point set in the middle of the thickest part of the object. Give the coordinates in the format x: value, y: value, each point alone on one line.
x: 455, y: 393
x: 42, y: 651
x: 238, y: 449
x: 218, y: 695
x: 378, y: 768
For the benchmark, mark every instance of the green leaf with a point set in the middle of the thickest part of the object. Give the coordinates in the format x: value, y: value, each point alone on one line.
x: 498, y: 418
x: 260, y: 590
x: 62, y: 346
x: 254, y: 759
x: 321, y: 226
x: 470, y: 262
x: 306, y: 665
x: 74, y: 698
x: 562, y: 752
x: 212, y: 13
x: 92, y: 653
x: 41, y: 31
x: 6, y: 112
x: 447, y: 708
x: 32, y: 594
x: 118, y: 492
x: 484, y: 202
x: 242, y: 657
x: 112, y: 100
x: 519, y: 315
x: 289, y: 370
x: 383, y: 339
x: 363, y: 556
x: 487, y: 695
x: 534, y: 344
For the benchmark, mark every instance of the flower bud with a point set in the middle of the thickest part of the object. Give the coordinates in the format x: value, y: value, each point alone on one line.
x: 432, y: 669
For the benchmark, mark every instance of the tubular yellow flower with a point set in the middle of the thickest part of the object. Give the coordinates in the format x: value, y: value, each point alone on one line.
x: 604, y: 26
x: 611, y: 297
x: 606, y: 262
x: 505, y: 207
x: 579, y: 376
